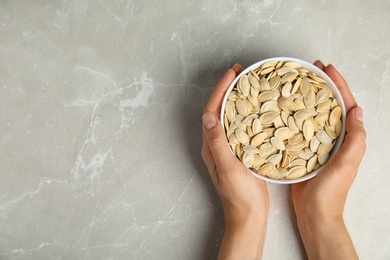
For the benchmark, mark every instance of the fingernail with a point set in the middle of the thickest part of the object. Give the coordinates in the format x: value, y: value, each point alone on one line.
x: 235, y: 65
x: 209, y: 120
x: 359, y: 114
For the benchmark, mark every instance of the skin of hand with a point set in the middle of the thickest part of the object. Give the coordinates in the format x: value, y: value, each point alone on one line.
x: 244, y: 197
x: 319, y: 202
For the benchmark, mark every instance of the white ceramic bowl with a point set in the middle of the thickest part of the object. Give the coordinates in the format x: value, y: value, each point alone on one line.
x: 310, y: 67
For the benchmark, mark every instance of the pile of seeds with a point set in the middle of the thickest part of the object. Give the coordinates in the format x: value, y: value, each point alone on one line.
x: 281, y: 120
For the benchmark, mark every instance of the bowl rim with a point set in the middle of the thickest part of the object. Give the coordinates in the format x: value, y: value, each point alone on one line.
x: 335, y: 92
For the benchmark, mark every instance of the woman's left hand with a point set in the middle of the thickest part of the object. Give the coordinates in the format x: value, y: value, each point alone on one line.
x: 244, y: 197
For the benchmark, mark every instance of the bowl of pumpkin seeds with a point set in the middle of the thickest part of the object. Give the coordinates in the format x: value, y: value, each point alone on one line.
x: 284, y: 119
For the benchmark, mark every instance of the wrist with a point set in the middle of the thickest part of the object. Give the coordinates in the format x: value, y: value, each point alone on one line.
x: 325, y: 237
x: 252, y: 223
x: 313, y: 224
x: 317, y: 217
x: 244, y: 237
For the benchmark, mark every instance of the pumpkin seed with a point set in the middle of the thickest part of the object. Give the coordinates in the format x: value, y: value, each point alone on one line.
x: 282, y: 120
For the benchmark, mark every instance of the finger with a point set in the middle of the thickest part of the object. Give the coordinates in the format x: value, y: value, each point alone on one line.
x: 209, y: 160
x: 216, y: 140
x: 205, y: 152
x: 352, y: 151
x: 237, y: 68
x: 319, y: 64
x: 342, y: 85
x: 215, y: 101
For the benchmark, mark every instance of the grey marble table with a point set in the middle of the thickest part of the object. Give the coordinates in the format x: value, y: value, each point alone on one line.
x: 100, y: 108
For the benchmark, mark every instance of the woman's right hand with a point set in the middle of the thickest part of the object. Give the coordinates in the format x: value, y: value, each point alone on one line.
x: 319, y: 202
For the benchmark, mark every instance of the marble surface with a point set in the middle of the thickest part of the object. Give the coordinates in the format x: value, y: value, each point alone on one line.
x: 100, y: 121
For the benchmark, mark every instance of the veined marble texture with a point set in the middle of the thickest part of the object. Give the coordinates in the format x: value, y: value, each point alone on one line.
x: 100, y: 121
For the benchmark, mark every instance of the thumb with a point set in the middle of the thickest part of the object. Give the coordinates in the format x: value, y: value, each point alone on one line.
x: 352, y: 151
x: 216, y: 139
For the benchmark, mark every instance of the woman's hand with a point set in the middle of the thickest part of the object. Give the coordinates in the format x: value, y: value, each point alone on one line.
x: 319, y: 202
x: 244, y: 197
